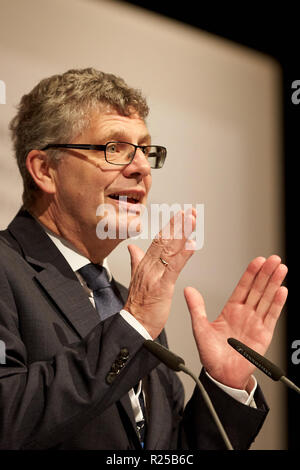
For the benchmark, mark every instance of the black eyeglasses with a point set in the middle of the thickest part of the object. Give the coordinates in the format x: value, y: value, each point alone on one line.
x: 121, y: 153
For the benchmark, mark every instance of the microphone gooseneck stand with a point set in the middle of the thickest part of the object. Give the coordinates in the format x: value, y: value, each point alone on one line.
x: 210, y: 407
x: 262, y: 363
x: 177, y: 363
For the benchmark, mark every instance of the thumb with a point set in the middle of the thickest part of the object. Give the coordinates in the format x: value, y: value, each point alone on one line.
x: 136, y: 255
x: 196, y: 306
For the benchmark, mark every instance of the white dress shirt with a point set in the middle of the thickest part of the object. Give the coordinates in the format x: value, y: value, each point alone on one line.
x: 76, y: 261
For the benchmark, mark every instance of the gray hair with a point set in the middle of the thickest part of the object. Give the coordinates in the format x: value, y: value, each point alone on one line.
x: 60, y: 107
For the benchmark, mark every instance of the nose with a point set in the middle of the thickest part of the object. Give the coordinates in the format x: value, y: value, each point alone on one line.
x: 138, y: 167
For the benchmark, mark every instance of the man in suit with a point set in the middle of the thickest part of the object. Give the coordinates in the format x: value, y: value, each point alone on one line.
x: 76, y: 374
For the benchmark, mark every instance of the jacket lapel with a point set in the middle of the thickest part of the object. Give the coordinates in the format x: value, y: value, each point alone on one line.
x: 53, y: 273
x: 70, y: 299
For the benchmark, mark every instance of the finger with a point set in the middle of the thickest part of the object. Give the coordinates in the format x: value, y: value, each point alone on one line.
x: 177, y: 262
x: 276, y: 308
x: 196, y: 306
x: 172, y: 238
x: 262, y: 279
x: 271, y: 289
x: 136, y: 255
x: 167, y: 255
x: 244, y: 285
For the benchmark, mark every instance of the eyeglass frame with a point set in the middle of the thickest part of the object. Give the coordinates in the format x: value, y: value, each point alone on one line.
x: 103, y: 147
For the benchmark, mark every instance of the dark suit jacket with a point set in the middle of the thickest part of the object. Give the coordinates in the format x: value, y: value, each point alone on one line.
x: 66, y: 379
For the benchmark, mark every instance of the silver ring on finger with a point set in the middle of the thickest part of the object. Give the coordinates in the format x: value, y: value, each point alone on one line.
x: 164, y: 262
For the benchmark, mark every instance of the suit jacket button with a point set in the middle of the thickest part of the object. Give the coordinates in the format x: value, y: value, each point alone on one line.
x: 124, y: 353
x: 110, y: 377
x: 120, y: 363
x: 114, y: 368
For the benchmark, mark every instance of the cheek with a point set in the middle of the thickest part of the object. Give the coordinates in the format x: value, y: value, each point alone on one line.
x: 82, y: 186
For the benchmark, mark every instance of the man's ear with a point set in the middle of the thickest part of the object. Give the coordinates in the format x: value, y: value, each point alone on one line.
x: 42, y: 172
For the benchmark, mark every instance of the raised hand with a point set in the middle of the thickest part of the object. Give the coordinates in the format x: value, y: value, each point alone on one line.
x: 250, y: 315
x: 152, y: 281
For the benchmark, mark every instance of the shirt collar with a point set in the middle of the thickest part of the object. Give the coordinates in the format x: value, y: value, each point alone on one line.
x: 75, y: 259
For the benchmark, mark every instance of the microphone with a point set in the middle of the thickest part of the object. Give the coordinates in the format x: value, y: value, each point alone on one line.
x: 176, y: 363
x: 263, y: 364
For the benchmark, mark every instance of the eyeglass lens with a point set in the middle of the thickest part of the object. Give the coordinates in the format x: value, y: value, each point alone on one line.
x: 121, y: 153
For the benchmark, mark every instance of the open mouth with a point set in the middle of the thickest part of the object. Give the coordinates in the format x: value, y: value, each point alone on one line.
x: 131, y: 198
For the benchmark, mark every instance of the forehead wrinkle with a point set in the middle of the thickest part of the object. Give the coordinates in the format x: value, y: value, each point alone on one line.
x: 122, y: 135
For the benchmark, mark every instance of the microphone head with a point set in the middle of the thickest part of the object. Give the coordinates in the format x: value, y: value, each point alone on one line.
x: 164, y: 355
x: 266, y: 366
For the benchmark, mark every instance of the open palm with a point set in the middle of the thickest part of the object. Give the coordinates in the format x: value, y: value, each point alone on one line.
x: 250, y: 315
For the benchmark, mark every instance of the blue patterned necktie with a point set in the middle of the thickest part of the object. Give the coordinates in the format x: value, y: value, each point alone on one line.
x: 107, y: 301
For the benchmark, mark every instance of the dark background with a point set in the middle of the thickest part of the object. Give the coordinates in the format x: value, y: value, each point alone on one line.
x: 275, y: 31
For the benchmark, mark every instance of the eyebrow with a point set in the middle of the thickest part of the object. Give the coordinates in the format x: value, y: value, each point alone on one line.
x: 123, y: 136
